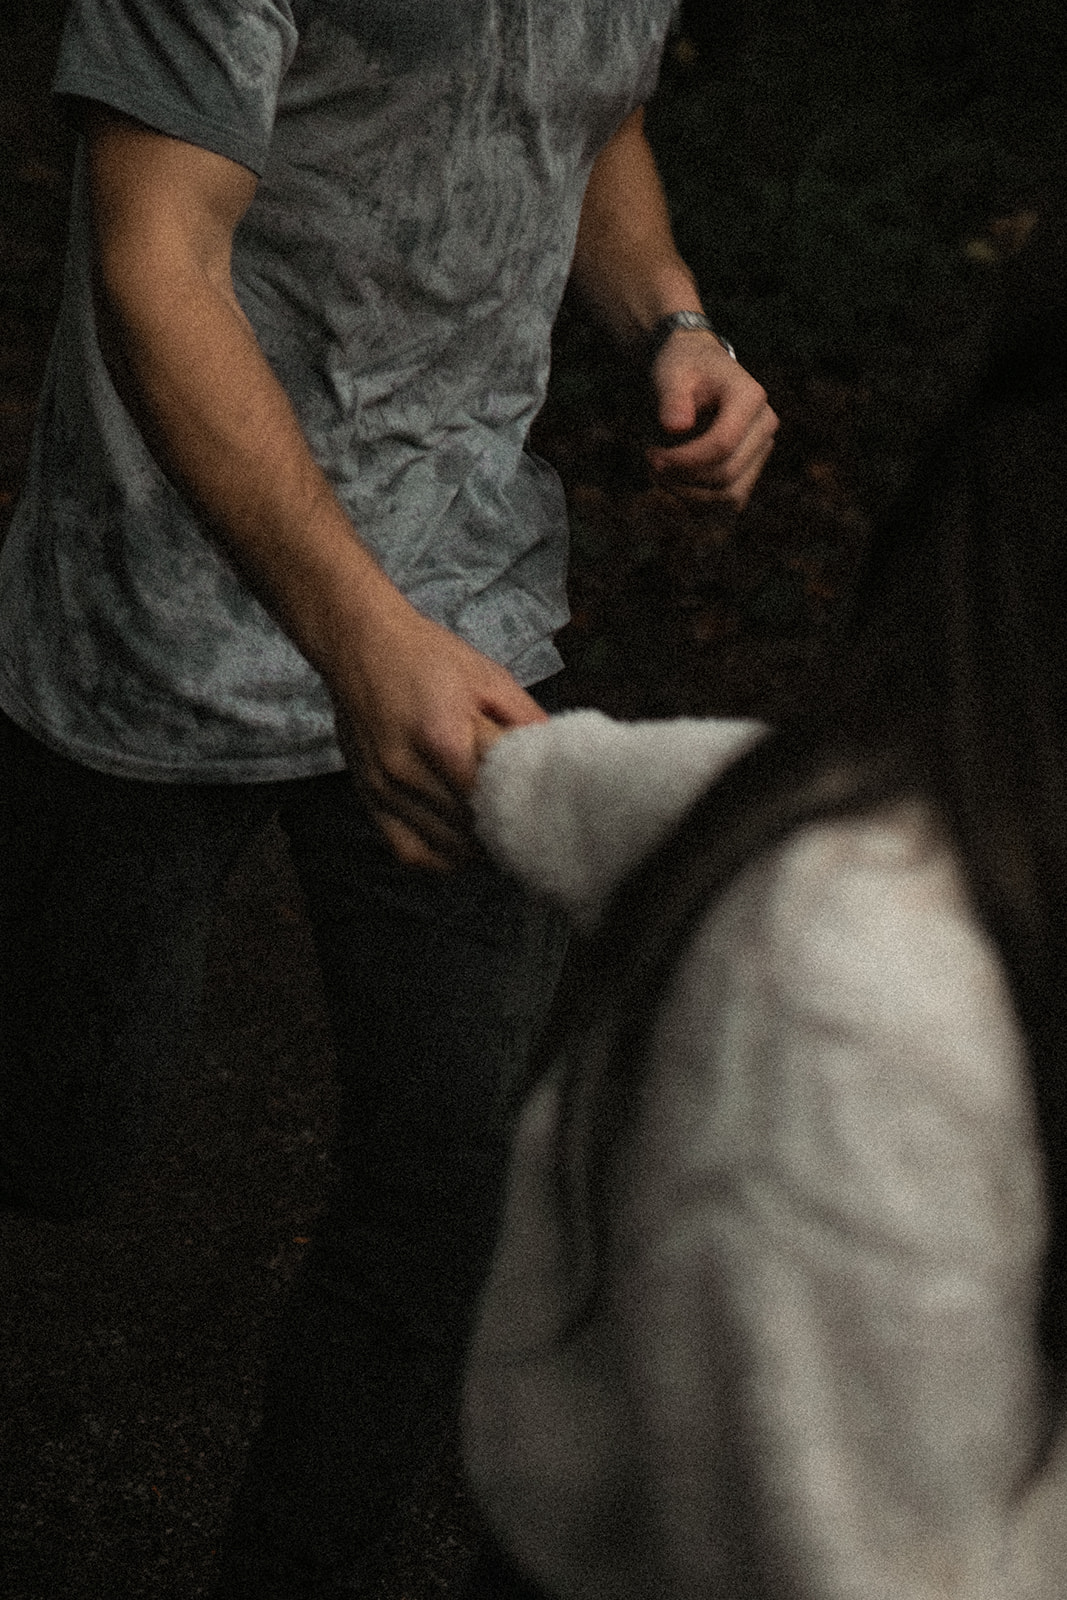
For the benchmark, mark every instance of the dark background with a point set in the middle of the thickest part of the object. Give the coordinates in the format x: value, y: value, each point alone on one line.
x: 846, y: 180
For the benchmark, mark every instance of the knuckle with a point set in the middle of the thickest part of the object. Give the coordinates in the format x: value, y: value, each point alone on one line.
x: 407, y: 847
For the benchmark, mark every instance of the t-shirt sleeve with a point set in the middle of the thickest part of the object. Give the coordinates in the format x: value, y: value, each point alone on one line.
x: 205, y: 71
x: 648, y: 78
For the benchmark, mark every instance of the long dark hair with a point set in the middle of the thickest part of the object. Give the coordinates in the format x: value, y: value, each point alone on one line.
x: 950, y: 682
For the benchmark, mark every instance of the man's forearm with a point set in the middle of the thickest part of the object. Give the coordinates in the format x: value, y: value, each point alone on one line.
x: 223, y: 427
x: 628, y: 266
x: 626, y: 263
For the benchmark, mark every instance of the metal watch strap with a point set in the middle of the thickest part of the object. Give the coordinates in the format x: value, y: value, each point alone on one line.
x: 686, y: 320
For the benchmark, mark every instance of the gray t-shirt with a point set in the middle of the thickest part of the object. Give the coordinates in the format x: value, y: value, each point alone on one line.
x: 422, y: 167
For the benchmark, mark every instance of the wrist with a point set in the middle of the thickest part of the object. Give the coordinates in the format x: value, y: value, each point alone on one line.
x: 687, y: 322
x: 331, y: 595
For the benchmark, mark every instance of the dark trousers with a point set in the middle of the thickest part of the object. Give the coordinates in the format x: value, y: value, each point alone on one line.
x: 435, y: 986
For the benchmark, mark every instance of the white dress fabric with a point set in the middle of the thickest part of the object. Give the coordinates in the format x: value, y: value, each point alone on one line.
x: 814, y: 1372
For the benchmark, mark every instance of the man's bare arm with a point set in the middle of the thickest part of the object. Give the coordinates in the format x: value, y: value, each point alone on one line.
x: 628, y: 267
x: 410, y: 696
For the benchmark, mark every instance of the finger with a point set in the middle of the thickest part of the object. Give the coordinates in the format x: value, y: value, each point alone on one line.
x: 400, y: 774
x: 420, y: 807
x: 704, y: 461
x: 678, y: 410
x: 511, y: 707
x: 453, y: 750
x: 436, y: 813
x: 486, y: 733
x: 747, y: 483
x: 719, y: 447
x: 418, y: 834
x: 412, y: 849
x: 740, y: 491
x: 695, y: 497
x: 690, y: 375
x: 708, y: 482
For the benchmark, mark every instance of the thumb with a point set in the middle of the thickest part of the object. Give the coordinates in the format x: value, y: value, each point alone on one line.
x: 677, y: 409
x: 486, y: 734
x: 511, y: 707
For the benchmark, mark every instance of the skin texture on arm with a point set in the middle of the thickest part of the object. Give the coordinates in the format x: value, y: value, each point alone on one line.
x: 627, y: 266
x: 410, y: 696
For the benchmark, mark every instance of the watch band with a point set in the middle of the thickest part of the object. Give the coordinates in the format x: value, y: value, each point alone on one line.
x: 684, y: 320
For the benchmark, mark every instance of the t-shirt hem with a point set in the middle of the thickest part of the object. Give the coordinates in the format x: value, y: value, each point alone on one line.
x: 542, y: 660
x: 539, y: 665
x: 256, y: 769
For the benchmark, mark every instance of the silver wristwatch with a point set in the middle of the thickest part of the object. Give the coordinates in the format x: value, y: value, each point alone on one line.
x: 675, y: 320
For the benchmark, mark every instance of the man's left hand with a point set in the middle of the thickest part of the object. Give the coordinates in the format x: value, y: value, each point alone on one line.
x: 725, y: 425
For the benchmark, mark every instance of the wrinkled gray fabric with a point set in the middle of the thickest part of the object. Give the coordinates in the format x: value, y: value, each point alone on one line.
x: 422, y: 168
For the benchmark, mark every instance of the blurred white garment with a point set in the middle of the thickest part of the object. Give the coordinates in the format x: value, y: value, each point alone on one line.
x: 813, y: 1370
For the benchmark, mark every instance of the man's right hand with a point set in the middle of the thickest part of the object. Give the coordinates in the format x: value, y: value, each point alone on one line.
x: 415, y: 708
